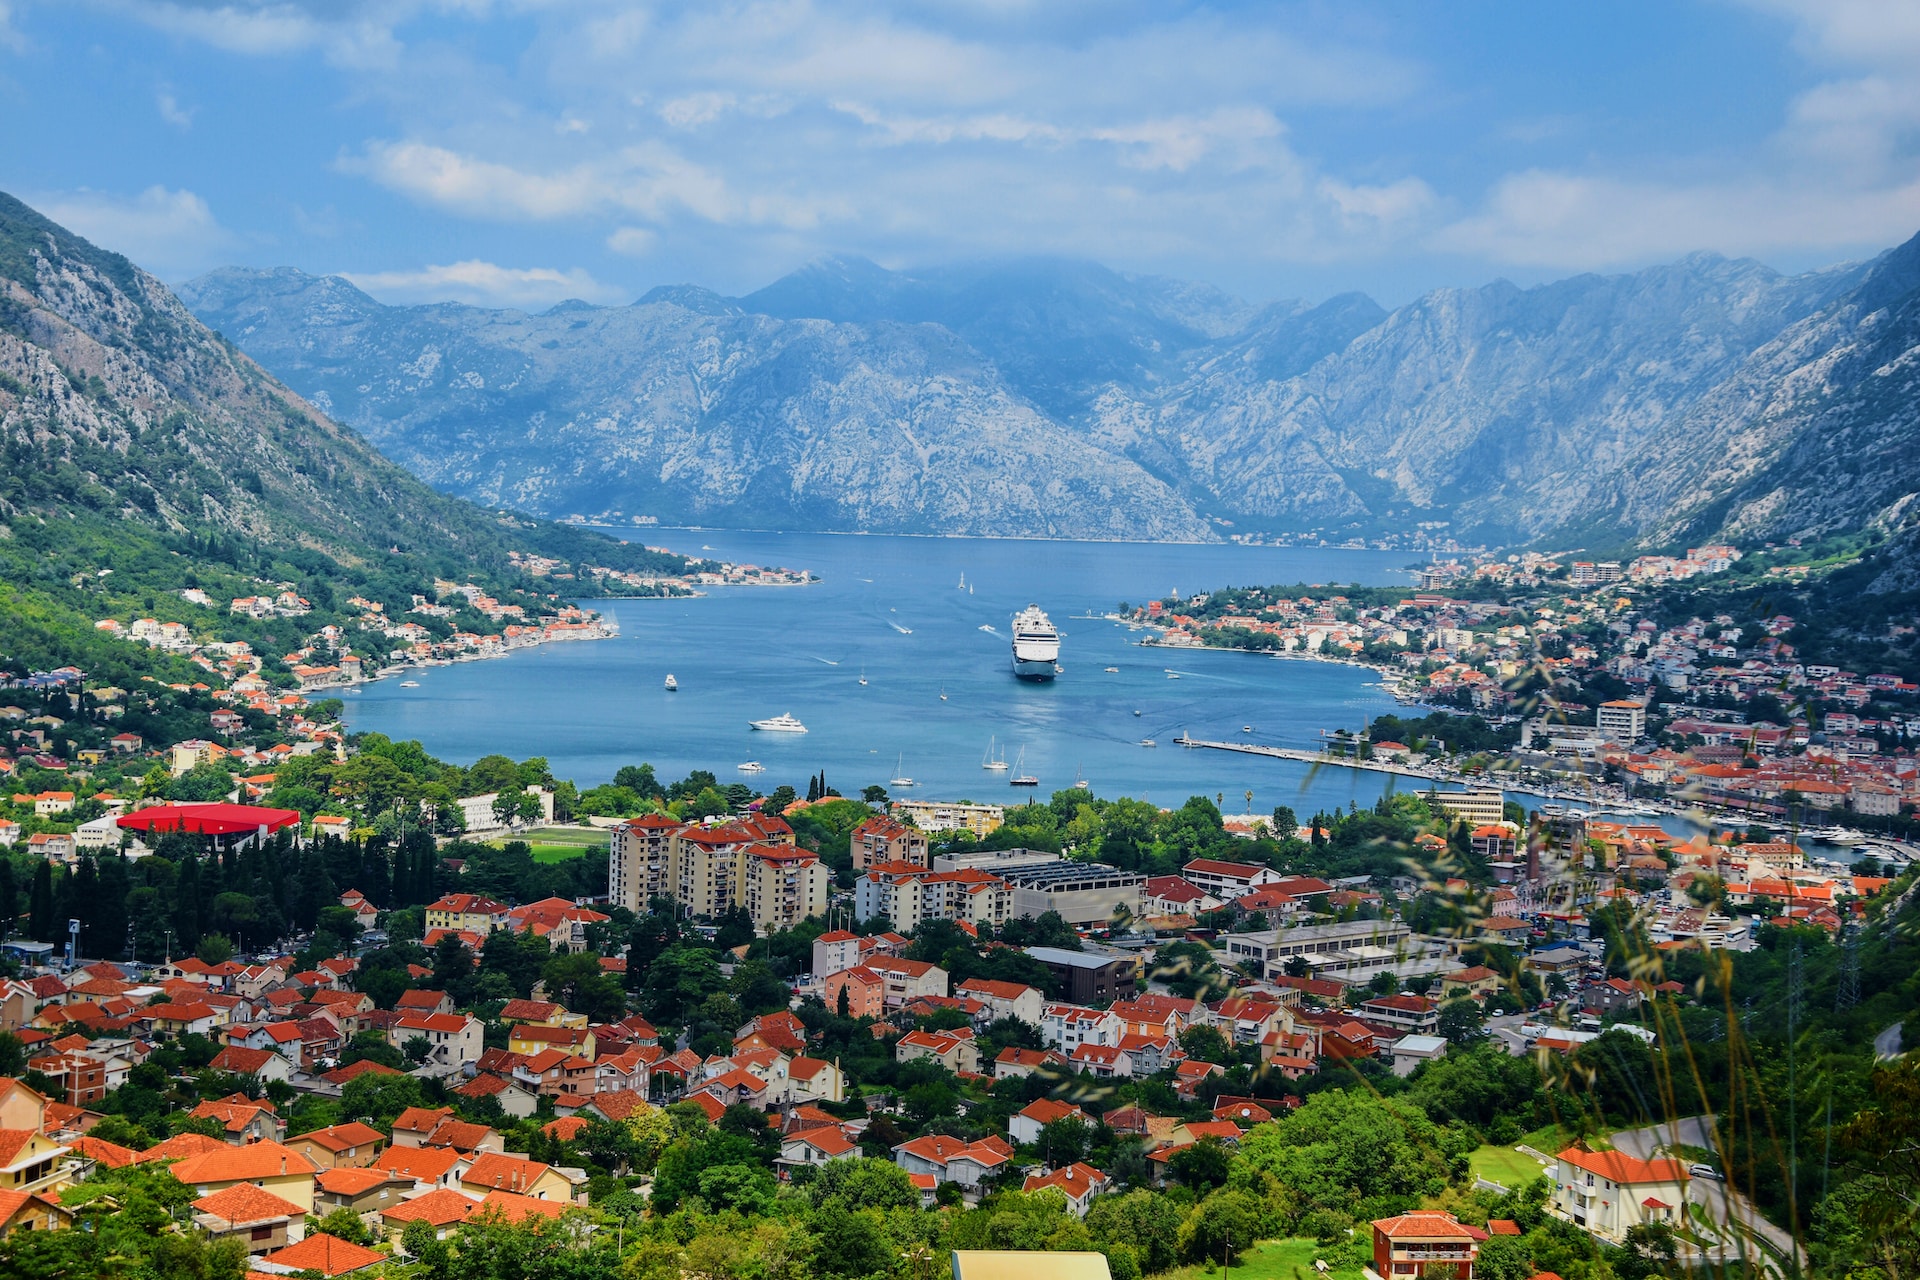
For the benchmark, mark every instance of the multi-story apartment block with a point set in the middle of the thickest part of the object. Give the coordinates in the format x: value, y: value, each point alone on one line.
x: 880, y: 839
x: 639, y: 858
x: 907, y: 894
x: 784, y: 886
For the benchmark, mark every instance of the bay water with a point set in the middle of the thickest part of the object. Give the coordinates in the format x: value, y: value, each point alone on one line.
x: 892, y: 609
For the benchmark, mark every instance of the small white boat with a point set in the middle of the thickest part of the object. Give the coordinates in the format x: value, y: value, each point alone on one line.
x: 998, y: 763
x: 943, y: 693
x: 1080, y: 783
x: 1136, y: 713
x: 1173, y: 675
x: 782, y: 723
x: 673, y: 686
x: 1114, y: 671
x: 902, y: 780
x: 751, y: 766
x: 409, y: 684
x: 1022, y: 779
x: 1246, y: 728
x: 1148, y: 742
x: 988, y: 628
x: 963, y: 580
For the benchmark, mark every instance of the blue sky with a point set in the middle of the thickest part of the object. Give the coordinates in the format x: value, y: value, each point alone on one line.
x: 517, y: 152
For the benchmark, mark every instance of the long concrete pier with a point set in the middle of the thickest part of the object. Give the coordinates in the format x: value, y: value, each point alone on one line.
x: 1308, y: 757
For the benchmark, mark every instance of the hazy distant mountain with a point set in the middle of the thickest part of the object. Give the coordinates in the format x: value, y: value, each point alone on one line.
x: 1056, y: 397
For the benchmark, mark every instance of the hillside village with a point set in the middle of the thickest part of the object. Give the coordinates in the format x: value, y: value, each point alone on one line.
x: 1000, y: 1020
x: 1588, y: 676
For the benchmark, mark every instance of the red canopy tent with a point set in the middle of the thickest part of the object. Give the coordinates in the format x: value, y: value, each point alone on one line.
x: 211, y: 819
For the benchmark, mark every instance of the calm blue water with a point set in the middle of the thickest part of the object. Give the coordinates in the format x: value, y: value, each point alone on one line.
x: 890, y: 607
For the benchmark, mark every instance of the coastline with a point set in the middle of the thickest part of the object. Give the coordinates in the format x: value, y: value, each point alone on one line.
x: 1389, y: 678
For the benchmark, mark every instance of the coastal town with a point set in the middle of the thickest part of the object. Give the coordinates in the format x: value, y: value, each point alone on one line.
x: 345, y: 1007
x: 1591, y: 688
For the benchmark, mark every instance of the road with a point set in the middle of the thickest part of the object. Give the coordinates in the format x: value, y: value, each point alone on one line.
x: 1720, y: 1201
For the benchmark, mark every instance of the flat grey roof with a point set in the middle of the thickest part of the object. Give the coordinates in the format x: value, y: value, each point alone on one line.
x: 1075, y: 959
x: 1067, y: 876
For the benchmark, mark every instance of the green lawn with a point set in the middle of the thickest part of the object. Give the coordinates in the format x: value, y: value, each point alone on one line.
x: 1505, y: 1166
x: 561, y: 852
x: 1290, y: 1259
x: 1556, y: 1138
x: 557, y: 844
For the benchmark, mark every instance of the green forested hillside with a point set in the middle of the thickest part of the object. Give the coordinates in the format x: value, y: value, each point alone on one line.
x: 140, y: 454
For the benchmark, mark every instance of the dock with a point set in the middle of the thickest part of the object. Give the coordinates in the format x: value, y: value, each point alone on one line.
x: 1308, y: 757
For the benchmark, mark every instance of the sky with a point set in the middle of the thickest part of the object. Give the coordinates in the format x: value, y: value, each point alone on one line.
x: 520, y: 152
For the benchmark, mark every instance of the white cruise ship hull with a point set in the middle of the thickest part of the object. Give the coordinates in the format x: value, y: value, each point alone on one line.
x: 1033, y: 668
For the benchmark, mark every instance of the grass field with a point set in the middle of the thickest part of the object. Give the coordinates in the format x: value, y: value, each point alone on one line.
x: 1505, y: 1166
x: 1555, y: 1138
x: 1290, y: 1259
x: 558, y: 844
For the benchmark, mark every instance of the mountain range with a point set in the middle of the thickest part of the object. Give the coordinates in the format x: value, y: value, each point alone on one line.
x: 1704, y: 398
x: 138, y: 448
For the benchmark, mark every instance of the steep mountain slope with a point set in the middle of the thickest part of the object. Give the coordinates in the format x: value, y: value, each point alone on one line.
x: 129, y: 431
x: 1499, y: 409
x: 1703, y: 398
x: 686, y: 407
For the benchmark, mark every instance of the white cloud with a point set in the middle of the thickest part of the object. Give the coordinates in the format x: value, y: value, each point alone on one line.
x: 170, y: 233
x: 172, y: 112
x: 486, y: 284
x: 9, y: 38
x: 349, y: 33
x: 635, y: 242
x: 1560, y: 220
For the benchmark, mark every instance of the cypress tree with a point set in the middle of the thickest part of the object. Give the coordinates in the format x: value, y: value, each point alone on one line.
x: 40, y: 911
x: 9, y: 899
x: 186, y: 907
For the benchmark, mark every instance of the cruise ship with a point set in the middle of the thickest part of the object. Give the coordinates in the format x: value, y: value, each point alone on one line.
x: 1036, y: 645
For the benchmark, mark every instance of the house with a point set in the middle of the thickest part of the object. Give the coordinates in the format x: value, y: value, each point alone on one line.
x: 284, y: 1172
x: 951, y: 1159
x: 858, y: 992
x: 32, y: 1163
x: 1024, y: 1062
x: 1078, y: 1182
x: 1608, y: 1192
x: 466, y: 913
x: 453, y: 1039
x: 1403, y: 1012
x: 262, y: 1064
x: 429, y: 1168
x: 1408, y: 1052
x: 243, y: 1119
x: 258, y: 1217
x: 329, y: 1255
x: 953, y: 1050
x: 1177, y: 896
x: 906, y: 980
x: 1024, y: 1126
x: 1477, y: 982
x: 814, y: 1147
x: 496, y: 1171
x: 1425, y: 1243
x: 836, y: 951
x: 364, y: 1191
x: 1004, y: 999
x: 32, y: 1211
x: 815, y: 1080
x: 443, y: 1210
x: 537, y: 1037
x: 352, y: 1145
x: 1227, y: 880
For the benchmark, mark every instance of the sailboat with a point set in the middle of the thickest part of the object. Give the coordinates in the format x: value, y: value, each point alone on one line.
x: 963, y: 579
x: 673, y: 686
x: 902, y: 780
x: 1079, y: 782
x: 943, y: 693
x: 998, y: 763
x: 863, y: 675
x: 1020, y: 779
